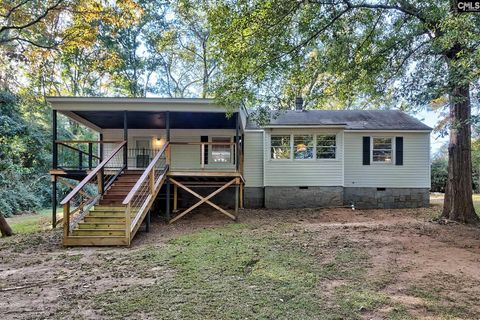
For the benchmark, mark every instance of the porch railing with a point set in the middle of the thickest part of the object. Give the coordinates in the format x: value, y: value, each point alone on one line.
x: 89, y: 191
x: 141, y: 196
x: 82, y: 154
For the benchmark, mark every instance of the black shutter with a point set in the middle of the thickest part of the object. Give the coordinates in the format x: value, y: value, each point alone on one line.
x: 205, y: 152
x: 399, y: 151
x: 366, y: 150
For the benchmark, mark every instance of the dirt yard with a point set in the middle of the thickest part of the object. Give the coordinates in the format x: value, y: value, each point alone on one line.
x: 292, y: 264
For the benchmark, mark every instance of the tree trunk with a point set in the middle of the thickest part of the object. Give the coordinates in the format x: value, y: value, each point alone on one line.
x: 4, y: 227
x: 458, y: 204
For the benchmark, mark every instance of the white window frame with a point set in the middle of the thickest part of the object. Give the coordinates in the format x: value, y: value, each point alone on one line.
x: 292, y: 146
x: 292, y: 151
x: 270, y: 147
x: 210, y: 151
x: 336, y: 146
x: 383, y: 163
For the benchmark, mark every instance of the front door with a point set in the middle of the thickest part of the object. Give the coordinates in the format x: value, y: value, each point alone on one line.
x: 142, y: 151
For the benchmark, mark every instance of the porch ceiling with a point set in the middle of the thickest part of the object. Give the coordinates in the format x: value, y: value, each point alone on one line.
x: 156, y: 120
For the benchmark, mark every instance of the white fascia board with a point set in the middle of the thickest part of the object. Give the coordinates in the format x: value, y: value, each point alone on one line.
x: 389, y: 131
x: 80, y: 120
x: 254, y: 130
x: 303, y: 126
x: 134, y: 104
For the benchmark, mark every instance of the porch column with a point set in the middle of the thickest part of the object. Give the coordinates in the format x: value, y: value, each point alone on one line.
x: 237, y: 143
x: 54, y: 166
x: 100, y: 146
x: 167, y: 125
x: 125, y: 138
x: 167, y: 195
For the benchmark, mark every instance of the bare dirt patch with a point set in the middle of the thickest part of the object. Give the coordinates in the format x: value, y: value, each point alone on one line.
x: 371, y: 264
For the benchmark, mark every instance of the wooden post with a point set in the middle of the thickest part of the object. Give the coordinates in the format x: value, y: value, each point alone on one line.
x: 128, y: 222
x: 100, y: 185
x: 175, y: 197
x: 125, y: 138
x: 241, y: 195
x: 54, y: 201
x: 66, y: 220
x: 152, y: 181
x: 167, y: 204
x: 236, y: 197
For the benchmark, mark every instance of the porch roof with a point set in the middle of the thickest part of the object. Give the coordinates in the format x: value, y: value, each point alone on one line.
x: 154, y: 120
x: 145, y: 113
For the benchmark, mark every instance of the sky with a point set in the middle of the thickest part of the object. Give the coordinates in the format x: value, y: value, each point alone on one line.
x: 430, y: 118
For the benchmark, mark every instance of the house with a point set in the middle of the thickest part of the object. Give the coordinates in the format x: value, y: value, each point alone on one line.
x: 194, y: 152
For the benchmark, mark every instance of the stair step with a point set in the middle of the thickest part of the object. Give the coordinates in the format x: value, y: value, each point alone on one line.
x: 109, y: 208
x: 105, y: 218
x: 98, y: 232
x: 106, y: 214
x: 95, y: 241
x: 102, y: 225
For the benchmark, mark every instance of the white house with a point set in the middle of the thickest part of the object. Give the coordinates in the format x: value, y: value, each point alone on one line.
x: 192, y: 152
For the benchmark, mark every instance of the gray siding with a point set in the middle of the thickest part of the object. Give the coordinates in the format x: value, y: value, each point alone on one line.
x: 315, y: 172
x: 253, y: 159
x: 414, y: 173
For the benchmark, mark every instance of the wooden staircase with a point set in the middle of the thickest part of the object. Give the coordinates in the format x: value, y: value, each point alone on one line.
x: 113, y: 217
x: 105, y: 223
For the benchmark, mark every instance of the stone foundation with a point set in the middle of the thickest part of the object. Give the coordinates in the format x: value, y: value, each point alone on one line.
x: 254, y: 197
x: 388, y: 198
x: 303, y: 197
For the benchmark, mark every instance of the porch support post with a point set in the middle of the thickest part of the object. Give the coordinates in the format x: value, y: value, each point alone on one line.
x: 125, y: 138
x: 237, y: 185
x: 102, y: 177
x: 147, y: 222
x: 167, y: 203
x: 237, y: 143
x: 54, y: 140
x: 167, y: 125
x: 54, y: 166
x: 54, y: 201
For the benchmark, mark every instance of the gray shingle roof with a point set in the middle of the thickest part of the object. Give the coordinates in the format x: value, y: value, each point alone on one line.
x: 350, y: 119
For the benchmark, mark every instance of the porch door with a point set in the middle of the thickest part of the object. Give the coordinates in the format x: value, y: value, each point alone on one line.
x: 142, y: 151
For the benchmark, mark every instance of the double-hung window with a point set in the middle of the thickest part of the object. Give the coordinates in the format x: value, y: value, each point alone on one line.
x: 326, y: 146
x: 303, y: 146
x: 382, y: 150
x: 280, y: 147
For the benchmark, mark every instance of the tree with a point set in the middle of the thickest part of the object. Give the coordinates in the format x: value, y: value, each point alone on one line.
x: 357, y: 54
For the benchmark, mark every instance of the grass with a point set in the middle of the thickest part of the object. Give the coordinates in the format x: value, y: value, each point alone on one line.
x: 30, y: 223
x: 442, y: 294
x: 237, y: 272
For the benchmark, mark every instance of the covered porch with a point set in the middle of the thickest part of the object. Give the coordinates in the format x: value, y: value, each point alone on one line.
x: 201, y: 145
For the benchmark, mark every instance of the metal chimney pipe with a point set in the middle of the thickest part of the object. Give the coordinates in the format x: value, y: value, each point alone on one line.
x: 299, y: 103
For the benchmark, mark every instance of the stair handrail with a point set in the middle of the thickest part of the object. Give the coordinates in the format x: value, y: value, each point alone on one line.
x: 92, y: 174
x: 148, y: 172
x: 143, y: 193
x: 85, y: 201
